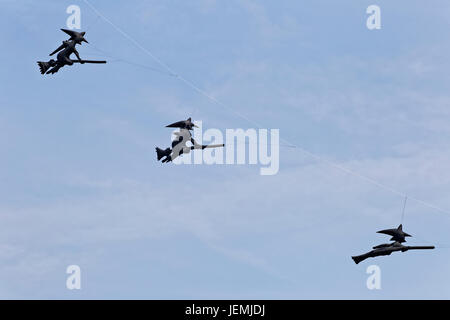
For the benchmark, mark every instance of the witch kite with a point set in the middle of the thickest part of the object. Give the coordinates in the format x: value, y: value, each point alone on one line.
x: 180, y: 143
x: 65, y: 50
x: 398, y: 237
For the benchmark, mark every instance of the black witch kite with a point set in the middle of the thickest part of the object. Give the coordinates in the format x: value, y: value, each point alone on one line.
x: 64, y: 51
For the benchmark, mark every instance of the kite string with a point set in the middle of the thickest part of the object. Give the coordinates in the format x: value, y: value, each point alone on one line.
x: 93, y: 23
x: 118, y: 59
x: 219, y: 103
x: 404, y: 206
x: 123, y: 33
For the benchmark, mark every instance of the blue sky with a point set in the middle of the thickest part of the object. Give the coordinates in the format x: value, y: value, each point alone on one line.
x: 80, y: 183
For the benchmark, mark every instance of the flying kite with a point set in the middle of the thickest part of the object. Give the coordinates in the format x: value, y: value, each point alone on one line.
x: 64, y: 51
x: 179, y: 145
x: 398, y: 236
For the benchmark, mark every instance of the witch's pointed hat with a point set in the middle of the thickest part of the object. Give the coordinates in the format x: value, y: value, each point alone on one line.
x: 184, y: 124
x: 397, y: 234
x: 78, y: 37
